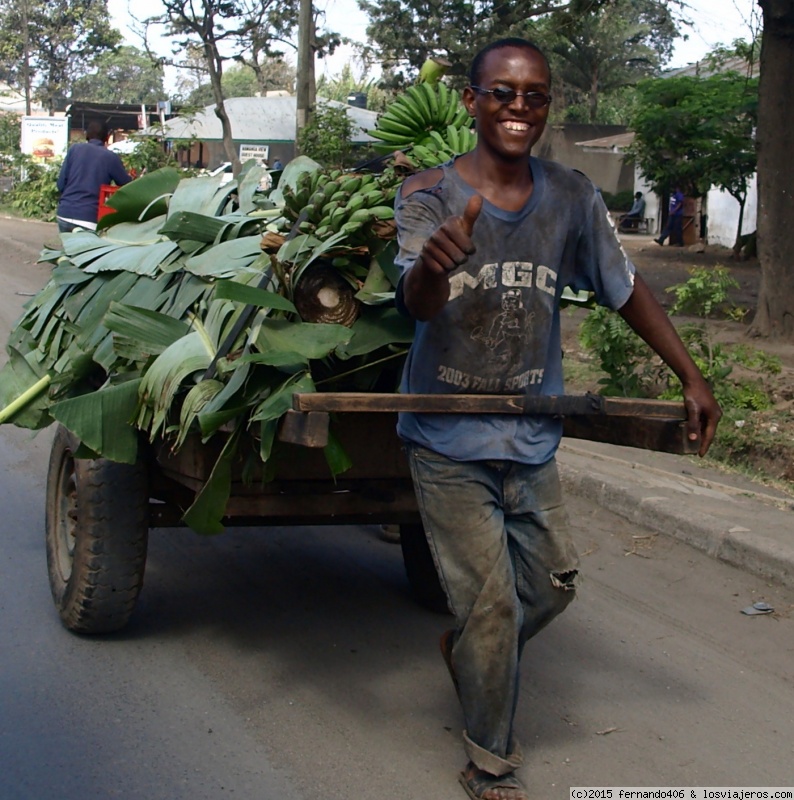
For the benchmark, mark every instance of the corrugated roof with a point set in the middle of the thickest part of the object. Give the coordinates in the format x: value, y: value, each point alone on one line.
x: 611, y: 144
x: 257, y: 119
x: 704, y: 69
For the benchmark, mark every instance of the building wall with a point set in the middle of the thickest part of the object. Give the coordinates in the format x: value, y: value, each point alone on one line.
x: 723, y: 215
x: 607, y: 170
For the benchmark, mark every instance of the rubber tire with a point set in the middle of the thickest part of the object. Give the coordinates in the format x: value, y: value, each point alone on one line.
x: 97, y: 530
x: 421, y: 569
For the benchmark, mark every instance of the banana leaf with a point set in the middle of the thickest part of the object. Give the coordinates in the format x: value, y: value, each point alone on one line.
x: 225, y: 260
x: 205, y: 514
x: 18, y: 375
x: 376, y: 328
x: 142, y: 199
x: 251, y: 295
x: 309, y: 339
x: 144, y: 260
x: 139, y: 333
x: 193, y: 404
x: 165, y: 376
x: 102, y: 420
x: 203, y: 195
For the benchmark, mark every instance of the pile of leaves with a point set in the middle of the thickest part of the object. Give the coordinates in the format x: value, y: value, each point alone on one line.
x: 198, y: 309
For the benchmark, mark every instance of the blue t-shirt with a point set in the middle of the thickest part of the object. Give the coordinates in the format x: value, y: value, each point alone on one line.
x: 87, y: 166
x: 499, y: 333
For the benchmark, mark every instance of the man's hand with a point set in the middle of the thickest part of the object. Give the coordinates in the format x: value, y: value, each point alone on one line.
x: 703, y: 414
x: 451, y: 244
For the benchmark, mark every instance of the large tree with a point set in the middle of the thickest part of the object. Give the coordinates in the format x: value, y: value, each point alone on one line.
x: 241, y: 81
x: 218, y: 27
x: 46, y: 44
x: 405, y: 32
x: 775, y: 314
x: 126, y: 75
x: 596, y: 54
x: 695, y: 133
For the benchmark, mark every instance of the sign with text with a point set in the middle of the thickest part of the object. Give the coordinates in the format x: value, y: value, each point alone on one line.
x: 259, y: 152
x: 44, y: 139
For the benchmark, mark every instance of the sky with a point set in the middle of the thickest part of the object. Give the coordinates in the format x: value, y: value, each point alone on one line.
x: 714, y: 22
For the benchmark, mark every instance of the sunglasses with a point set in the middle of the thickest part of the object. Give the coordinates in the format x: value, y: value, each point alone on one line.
x: 504, y: 96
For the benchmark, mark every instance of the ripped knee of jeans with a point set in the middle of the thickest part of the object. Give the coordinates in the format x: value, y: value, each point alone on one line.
x: 564, y: 580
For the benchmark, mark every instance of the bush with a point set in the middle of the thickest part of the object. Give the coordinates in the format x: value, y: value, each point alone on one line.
x: 620, y: 201
x: 37, y: 195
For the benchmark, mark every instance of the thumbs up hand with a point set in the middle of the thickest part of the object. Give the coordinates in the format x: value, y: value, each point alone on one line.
x: 451, y: 244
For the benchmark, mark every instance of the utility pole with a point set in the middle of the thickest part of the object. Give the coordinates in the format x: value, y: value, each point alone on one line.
x: 305, y: 67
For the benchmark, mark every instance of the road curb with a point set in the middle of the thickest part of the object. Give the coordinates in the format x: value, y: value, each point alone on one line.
x: 736, y: 528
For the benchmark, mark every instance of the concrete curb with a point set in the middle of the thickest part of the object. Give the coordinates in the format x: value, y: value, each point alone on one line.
x: 752, y: 531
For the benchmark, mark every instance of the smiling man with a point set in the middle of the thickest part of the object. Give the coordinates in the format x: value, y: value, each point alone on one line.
x: 488, y: 242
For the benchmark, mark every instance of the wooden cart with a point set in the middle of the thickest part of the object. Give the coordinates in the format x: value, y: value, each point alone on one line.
x: 99, y: 512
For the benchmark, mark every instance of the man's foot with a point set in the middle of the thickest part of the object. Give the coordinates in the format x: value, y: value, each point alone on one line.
x: 480, y: 785
x: 659, y: 241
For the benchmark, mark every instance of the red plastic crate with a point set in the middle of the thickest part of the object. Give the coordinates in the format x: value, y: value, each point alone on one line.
x: 105, y: 190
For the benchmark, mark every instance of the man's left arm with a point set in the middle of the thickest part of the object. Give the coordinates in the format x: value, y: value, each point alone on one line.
x: 645, y: 316
x: 118, y: 173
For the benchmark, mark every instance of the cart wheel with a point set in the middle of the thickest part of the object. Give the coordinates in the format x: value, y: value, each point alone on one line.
x: 97, y: 525
x: 421, y: 570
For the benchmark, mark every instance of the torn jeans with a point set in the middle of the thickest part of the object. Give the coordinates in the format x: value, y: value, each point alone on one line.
x: 499, y: 537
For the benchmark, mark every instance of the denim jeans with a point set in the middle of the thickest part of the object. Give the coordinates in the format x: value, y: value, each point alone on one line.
x: 499, y: 536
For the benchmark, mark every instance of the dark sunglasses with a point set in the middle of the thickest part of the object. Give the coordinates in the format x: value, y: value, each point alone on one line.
x: 502, y: 95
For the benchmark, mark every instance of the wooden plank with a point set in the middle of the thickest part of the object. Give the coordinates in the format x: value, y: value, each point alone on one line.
x: 561, y: 405
x: 646, y: 433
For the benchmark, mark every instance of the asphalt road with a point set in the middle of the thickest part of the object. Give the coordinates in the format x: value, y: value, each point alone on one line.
x: 291, y: 663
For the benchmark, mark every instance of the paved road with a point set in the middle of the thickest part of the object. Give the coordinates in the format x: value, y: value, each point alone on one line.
x: 291, y: 663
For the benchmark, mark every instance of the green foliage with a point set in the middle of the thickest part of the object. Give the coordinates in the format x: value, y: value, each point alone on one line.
x: 620, y: 201
x: 631, y: 368
x: 125, y: 75
x: 37, y: 195
x: 595, y: 55
x: 341, y: 86
x: 62, y: 39
x: 148, y: 156
x: 10, y: 131
x: 241, y: 80
x: 704, y: 293
x: 698, y: 132
x: 326, y: 138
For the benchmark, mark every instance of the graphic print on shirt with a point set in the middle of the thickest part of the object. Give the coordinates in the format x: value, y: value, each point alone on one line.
x: 513, y: 322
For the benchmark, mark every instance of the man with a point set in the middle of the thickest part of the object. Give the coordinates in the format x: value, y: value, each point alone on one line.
x: 87, y: 166
x: 675, y: 220
x: 630, y: 221
x: 487, y: 244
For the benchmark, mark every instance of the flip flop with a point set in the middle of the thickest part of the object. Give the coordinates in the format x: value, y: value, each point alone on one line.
x: 478, y: 784
x: 446, y: 643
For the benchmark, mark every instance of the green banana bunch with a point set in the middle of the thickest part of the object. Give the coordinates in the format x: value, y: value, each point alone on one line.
x: 435, y: 149
x: 332, y: 202
x: 422, y: 108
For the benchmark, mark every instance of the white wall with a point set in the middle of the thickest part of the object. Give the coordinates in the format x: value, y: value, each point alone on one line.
x: 723, y: 213
x: 652, y: 210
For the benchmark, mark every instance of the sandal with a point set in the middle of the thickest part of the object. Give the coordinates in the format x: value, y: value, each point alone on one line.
x: 476, y: 785
x: 446, y: 644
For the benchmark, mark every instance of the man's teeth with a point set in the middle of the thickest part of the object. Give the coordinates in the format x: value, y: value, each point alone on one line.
x: 516, y: 126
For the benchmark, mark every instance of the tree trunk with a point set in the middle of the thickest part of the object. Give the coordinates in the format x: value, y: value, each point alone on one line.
x: 215, y: 70
x: 594, y: 96
x: 775, y: 314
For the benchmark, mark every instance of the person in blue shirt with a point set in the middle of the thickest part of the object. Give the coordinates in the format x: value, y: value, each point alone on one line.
x: 630, y: 221
x: 87, y: 166
x: 488, y: 242
x: 675, y: 220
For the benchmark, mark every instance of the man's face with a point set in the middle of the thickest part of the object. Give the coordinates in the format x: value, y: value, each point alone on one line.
x: 509, y: 129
